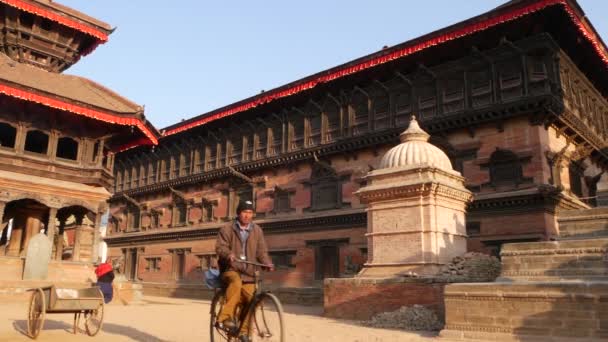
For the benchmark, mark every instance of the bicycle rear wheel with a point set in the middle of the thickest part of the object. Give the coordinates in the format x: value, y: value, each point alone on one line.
x: 268, y: 324
x: 217, y: 334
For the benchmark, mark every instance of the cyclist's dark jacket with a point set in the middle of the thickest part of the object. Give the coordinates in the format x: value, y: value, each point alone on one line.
x: 229, y: 241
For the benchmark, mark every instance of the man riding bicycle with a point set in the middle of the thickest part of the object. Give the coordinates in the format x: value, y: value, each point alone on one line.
x: 242, y: 240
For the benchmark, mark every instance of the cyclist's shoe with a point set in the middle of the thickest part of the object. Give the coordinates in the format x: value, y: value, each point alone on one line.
x: 226, y: 325
x: 244, y: 338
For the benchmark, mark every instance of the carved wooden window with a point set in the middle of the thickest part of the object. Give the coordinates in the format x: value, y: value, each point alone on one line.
x: 427, y: 100
x: 184, y: 162
x: 175, y: 165
x: 134, y: 177
x: 37, y: 142
x: 247, y: 147
x: 510, y: 79
x: 208, y: 211
x: 8, y: 135
x: 221, y: 156
x: 537, y: 75
x: 296, y: 132
x: 505, y: 167
x: 403, y: 106
x: 381, y: 110
x: 575, y: 174
x: 326, y: 189
x: 153, y: 264
x: 236, y: 150
x: 126, y: 178
x: 118, y: 184
x: 473, y: 228
x: 210, y: 157
x: 261, y: 142
x: 283, y: 259
x: 314, y: 129
x: 165, y: 168
x: 331, y: 112
x: 155, y: 219
x: 359, y: 113
x: 152, y: 170
x: 199, y: 159
x: 481, y: 87
x: 276, y: 139
x: 453, y: 94
x: 142, y: 174
x: 282, y: 201
x: 180, y: 214
x: 67, y: 148
x: 133, y: 218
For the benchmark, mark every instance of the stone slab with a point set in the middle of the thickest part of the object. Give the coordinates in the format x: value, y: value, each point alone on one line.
x: 37, y: 258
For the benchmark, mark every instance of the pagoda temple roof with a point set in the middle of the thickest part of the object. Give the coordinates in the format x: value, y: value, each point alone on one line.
x: 73, y: 94
x: 64, y: 15
x: 508, y: 12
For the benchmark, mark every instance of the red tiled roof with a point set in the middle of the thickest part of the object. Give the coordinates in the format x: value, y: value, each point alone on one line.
x: 508, y: 12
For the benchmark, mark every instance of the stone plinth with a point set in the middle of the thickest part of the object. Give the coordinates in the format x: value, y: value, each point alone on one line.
x: 564, y: 260
x: 127, y: 292
x: 527, y: 311
x: 362, y: 298
x: 548, y: 291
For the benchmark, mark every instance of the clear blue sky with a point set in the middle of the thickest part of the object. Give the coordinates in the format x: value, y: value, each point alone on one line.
x: 182, y: 58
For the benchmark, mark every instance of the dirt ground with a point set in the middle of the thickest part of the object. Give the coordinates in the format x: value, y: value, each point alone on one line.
x: 169, y: 319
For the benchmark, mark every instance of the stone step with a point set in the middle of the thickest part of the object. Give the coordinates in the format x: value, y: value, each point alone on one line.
x: 584, y: 223
x: 534, y: 311
x: 555, y: 260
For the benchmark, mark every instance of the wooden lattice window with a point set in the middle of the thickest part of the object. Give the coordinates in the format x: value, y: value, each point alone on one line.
x: 152, y: 168
x: 165, y: 168
x: 133, y: 218
x: 8, y: 135
x: 427, y: 99
x: 184, y: 163
x: 481, y: 87
x: 359, y: 113
x: 453, y: 94
x: 326, y: 189
x: 261, y: 142
x: 331, y: 111
x: 276, y: 138
x: 537, y: 75
x: 211, y: 156
x: 505, y: 167
x: 236, y: 150
x: 314, y: 129
x: 510, y: 79
x: 296, y: 132
x: 153, y: 264
x: 381, y: 110
x: 403, y: 106
x: 180, y: 213
x: 283, y: 259
x: 282, y: 201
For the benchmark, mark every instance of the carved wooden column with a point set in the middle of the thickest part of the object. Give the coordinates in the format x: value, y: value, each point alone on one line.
x: 20, y: 139
x: 96, y: 236
x: 2, y: 205
x: 50, y: 230
x: 76, y: 251
x: 58, y: 239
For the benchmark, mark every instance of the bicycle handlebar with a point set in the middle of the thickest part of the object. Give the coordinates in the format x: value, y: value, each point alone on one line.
x: 251, y: 263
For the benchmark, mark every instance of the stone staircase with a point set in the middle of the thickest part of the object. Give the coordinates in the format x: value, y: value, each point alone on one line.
x: 548, y: 291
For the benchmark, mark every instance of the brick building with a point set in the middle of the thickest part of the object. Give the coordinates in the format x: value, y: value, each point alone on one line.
x: 516, y: 97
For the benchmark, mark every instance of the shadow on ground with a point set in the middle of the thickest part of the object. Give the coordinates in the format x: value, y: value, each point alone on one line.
x: 110, y: 328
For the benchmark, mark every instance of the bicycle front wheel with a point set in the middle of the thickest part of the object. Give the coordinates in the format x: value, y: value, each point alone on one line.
x: 268, y: 324
x: 217, y: 334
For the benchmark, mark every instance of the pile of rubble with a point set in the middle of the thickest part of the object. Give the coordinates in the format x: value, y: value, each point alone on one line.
x: 472, y: 267
x: 412, y: 318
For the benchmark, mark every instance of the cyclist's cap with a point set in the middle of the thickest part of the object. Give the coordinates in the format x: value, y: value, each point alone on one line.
x: 244, y: 205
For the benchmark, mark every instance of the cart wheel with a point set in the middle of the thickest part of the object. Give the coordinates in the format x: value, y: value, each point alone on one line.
x: 93, y: 319
x: 35, y: 318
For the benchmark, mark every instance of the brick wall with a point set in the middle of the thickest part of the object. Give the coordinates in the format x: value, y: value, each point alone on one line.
x: 361, y: 299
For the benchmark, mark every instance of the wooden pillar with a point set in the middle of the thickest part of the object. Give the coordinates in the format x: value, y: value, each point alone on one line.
x: 2, y: 205
x: 20, y: 139
x: 58, y: 245
x: 96, y: 237
x: 76, y: 251
x: 50, y: 230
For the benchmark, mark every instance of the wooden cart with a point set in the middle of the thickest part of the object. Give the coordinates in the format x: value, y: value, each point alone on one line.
x: 49, y: 300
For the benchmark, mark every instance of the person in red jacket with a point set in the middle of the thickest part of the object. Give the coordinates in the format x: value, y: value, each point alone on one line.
x: 105, y: 277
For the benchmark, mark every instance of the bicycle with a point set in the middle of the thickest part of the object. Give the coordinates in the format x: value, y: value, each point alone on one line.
x: 265, y: 314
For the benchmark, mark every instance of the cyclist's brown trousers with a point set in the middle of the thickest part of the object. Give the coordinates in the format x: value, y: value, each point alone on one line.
x: 236, y: 293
